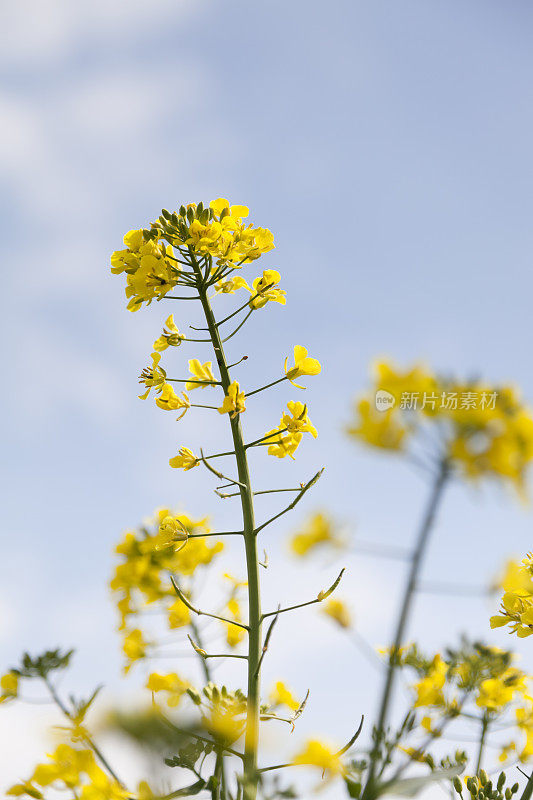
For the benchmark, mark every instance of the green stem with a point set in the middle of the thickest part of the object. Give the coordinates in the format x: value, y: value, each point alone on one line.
x: 484, y: 729
x: 401, y: 625
x: 252, y: 564
x: 216, y: 792
x: 528, y: 791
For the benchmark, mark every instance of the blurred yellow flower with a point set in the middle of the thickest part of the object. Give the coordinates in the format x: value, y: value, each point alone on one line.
x: 281, y: 695
x: 319, y: 530
x: 174, y: 686
x: 319, y: 754
x: 338, y: 611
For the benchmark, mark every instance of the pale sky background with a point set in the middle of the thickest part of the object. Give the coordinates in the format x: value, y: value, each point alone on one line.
x: 388, y: 147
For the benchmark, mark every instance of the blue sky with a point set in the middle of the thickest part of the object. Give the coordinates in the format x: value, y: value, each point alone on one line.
x: 388, y: 146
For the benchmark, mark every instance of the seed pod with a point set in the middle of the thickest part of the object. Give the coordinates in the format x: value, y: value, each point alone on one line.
x: 457, y: 785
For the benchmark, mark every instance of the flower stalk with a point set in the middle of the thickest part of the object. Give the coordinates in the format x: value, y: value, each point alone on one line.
x: 250, y: 544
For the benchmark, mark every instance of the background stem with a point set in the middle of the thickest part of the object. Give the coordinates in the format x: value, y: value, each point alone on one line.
x: 401, y: 625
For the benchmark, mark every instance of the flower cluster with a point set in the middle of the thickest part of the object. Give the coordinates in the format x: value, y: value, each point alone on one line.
x: 76, y: 771
x: 150, y: 267
x: 169, y: 543
x: 159, y: 258
x: 481, y: 430
x: 474, y: 678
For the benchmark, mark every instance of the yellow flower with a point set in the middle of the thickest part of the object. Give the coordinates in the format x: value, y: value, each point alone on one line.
x: 319, y: 530
x: 175, y: 686
x: 178, y: 615
x: 168, y: 400
x: 303, y: 365
x: 285, y: 439
x: 234, y: 402
x: 230, y: 285
x: 280, y: 695
x: 171, y: 531
x: 495, y: 693
x: 282, y: 444
x: 429, y: 689
x: 234, y: 633
x: 338, y: 611
x: 264, y: 288
x: 150, y: 267
x: 171, y: 337
x: 517, y: 601
x: 202, y: 373
x: 134, y: 647
x: 319, y: 754
x: 9, y: 686
x: 297, y: 421
x: 184, y: 460
x: 153, y: 377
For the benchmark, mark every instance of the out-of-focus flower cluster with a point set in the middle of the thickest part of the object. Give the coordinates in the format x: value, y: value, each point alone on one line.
x: 76, y: 771
x: 472, y: 681
x: 169, y: 543
x: 480, y: 429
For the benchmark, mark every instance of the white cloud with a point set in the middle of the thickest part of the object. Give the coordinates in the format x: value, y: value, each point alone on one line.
x: 45, y: 31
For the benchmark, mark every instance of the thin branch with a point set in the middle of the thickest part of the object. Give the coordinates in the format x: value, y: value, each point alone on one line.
x: 223, y: 533
x: 193, y: 380
x: 202, y: 653
x: 268, y: 385
x: 203, y: 613
x: 175, y: 297
x: 217, y: 473
x: 264, y: 491
x: 321, y: 596
x: 267, y: 641
x: 296, y: 500
x: 353, y: 739
x: 241, y: 308
x: 237, y: 329
x: 270, y: 435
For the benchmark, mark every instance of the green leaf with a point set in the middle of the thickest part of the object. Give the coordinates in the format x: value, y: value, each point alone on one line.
x: 188, y: 791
